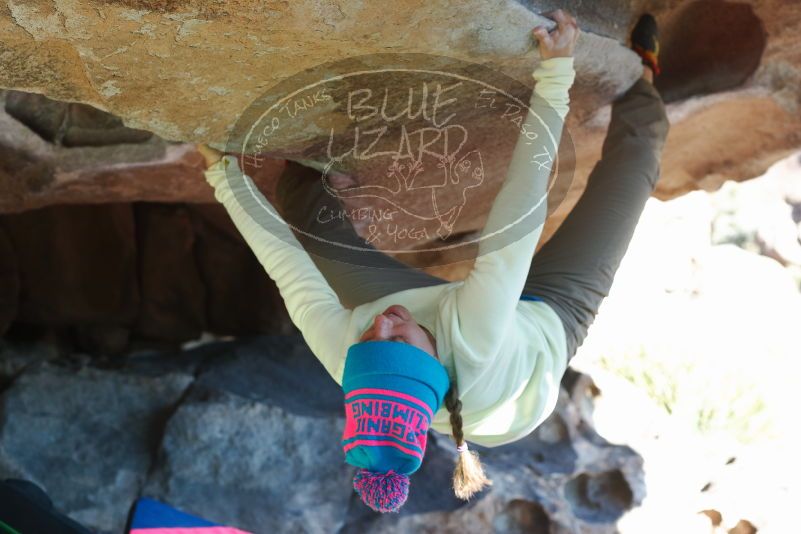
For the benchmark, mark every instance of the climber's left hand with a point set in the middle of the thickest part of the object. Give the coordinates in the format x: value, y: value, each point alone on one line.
x: 211, y: 155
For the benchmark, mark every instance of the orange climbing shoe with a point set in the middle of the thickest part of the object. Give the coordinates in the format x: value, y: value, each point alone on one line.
x: 645, y: 41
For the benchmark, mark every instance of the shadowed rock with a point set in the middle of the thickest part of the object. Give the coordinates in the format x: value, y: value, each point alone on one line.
x: 86, y: 436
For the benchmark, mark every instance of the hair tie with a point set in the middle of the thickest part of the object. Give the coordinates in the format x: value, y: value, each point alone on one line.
x: 462, y: 447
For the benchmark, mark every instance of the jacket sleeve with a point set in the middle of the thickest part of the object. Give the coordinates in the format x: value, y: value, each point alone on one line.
x: 313, y: 306
x: 489, y: 295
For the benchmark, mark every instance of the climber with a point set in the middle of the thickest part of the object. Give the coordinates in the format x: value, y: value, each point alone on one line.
x: 490, y: 349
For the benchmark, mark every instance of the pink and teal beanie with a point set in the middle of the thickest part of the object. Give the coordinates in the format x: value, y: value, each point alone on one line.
x: 392, y: 391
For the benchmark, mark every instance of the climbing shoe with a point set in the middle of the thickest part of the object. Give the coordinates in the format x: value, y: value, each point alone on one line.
x: 645, y: 41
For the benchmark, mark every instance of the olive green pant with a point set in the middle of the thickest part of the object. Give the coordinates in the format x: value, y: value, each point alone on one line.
x: 572, y: 272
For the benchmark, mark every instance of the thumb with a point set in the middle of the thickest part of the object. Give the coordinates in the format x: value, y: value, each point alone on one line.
x: 542, y: 35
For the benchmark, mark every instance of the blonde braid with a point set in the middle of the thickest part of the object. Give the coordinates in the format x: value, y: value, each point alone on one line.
x: 468, y: 476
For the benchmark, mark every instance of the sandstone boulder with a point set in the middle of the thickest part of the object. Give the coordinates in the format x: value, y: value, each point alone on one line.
x: 730, y: 78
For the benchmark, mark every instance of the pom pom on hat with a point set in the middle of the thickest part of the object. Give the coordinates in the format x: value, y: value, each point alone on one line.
x: 383, y: 492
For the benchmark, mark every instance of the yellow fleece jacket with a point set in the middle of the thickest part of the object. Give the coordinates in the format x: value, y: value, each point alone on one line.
x: 507, y: 356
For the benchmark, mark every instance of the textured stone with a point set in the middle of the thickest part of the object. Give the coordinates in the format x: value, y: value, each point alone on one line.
x: 9, y: 282
x: 15, y: 357
x: 119, y: 56
x: 122, y: 57
x: 78, y: 264
x: 240, y: 298
x: 254, y: 465
x: 172, y: 293
x: 102, y: 274
x: 699, y: 55
x: 70, y: 124
x: 82, y: 155
x: 86, y: 436
x: 275, y: 370
x: 759, y: 215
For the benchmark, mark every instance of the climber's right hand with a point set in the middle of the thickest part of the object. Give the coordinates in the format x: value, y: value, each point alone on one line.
x: 561, y: 42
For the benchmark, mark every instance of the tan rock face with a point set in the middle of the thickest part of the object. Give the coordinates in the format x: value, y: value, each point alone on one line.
x: 190, y: 71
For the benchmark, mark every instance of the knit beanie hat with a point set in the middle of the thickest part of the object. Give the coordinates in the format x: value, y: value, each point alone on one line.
x: 392, y: 391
